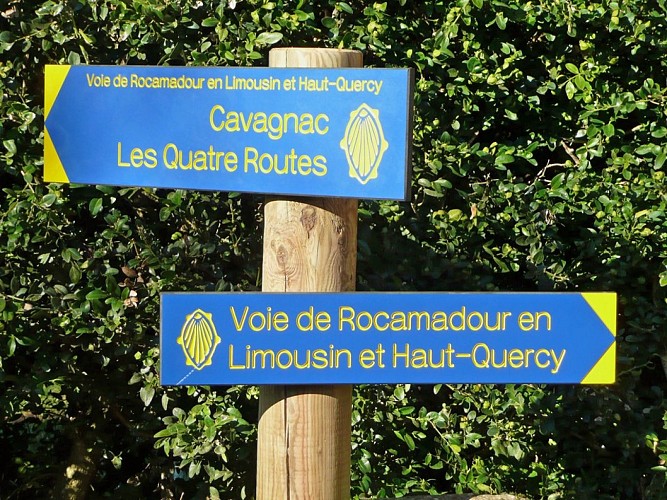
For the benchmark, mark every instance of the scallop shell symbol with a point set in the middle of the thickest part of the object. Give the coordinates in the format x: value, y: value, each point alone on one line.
x: 198, y: 339
x: 364, y: 143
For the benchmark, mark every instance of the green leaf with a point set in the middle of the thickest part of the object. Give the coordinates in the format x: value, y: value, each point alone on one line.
x: 95, y: 206
x: 194, y: 469
x: 269, y: 38
x: 473, y: 64
x: 210, y: 22
x: 49, y: 199
x: 96, y: 295
x: 455, y: 214
x: 146, y: 394
x: 169, y: 431
x: 6, y: 36
x: 511, y: 115
x: 364, y: 465
x: 164, y: 213
x: 504, y: 159
x: 73, y: 58
x: 11, y: 345
x: 74, y: 274
x: 659, y: 133
x: 572, y: 68
x: 10, y: 146
x: 581, y: 82
x: 645, y: 149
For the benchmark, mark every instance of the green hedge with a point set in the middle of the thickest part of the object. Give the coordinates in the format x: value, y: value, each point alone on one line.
x: 539, y: 164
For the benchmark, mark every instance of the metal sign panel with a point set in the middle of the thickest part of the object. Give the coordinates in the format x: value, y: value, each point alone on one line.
x: 361, y: 338
x: 338, y: 132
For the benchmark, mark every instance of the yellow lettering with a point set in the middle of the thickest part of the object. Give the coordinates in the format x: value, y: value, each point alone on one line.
x: 541, y: 315
x: 379, y: 327
x: 120, y: 154
x: 368, y: 321
x: 557, y: 360
x: 232, y: 122
x: 275, y: 125
x: 280, y: 321
x: 405, y: 355
x: 380, y: 351
x: 217, y: 126
x: 320, y: 164
x: 345, y: 315
x: 238, y: 324
x: 439, y: 321
x: 398, y: 321
x: 288, y: 363
x: 319, y: 129
x: 304, y: 164
x: 231, y: 162
x: 418, y: 358
x: 322, y: 321
x: 538, y: 363
x: 343, y: 352
x: 367, y: 358
x: 151, y: 158
x: 480, y: 321
x: 526, y: 321
x: 484, y: 362
x: 263, y: 355
x: 233, y: 366
x: 516, y: 358
x: 418, y: 316
x: 460, y: 315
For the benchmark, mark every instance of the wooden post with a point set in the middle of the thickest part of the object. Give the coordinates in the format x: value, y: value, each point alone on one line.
x: 310, y: 245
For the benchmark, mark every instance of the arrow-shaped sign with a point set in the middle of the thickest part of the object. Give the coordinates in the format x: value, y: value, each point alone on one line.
x: 359, y: 338
x: 310, y: 132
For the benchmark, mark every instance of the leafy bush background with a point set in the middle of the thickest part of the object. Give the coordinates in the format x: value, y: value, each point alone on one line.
x: 539, y: 164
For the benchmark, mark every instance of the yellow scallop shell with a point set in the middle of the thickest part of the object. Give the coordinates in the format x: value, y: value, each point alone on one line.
x: 364, y: 143
x: 198, y: 339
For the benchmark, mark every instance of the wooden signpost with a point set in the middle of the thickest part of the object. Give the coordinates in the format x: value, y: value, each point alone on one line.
x: 310, y: 245
x: 316, y: 132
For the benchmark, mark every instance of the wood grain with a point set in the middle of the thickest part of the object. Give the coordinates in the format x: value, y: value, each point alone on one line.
x: 296, y: 57
x: 310, y: 245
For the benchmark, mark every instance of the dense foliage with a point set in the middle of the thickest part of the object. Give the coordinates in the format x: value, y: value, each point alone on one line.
x: 539, y: 164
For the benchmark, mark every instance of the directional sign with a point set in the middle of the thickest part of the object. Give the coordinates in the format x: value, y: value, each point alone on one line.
x: 309, y: 132
x: 353, y: 338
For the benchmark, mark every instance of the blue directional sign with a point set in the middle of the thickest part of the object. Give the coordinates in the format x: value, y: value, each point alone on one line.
x: 307, y: 132
x: 353, y: 338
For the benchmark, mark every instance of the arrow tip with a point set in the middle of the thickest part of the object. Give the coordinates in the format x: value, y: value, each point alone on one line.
x: 604, y: 305
x: 604, y: 371
x: 54, y: 77
x: 53, y: 167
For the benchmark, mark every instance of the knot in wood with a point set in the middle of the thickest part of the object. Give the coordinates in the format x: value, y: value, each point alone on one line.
x: 308, y: 219
x: 282, y: 256
x: 339, y: 227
